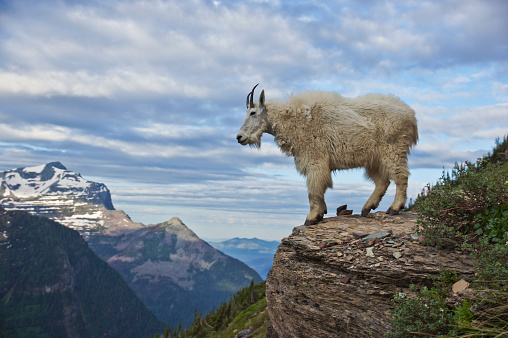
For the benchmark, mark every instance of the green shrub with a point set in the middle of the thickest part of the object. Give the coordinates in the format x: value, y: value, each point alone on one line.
x: 492, y: 275
x: 425, y: 314
x: 492, y: 224
x: 459, y: 209
x: 463, y: 316
x: 467, y: 209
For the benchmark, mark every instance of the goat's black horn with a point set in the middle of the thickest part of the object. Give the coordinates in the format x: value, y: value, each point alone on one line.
x: 247, y: 102
x: 252, y: 96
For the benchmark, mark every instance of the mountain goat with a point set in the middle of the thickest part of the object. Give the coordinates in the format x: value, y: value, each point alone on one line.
x: 325, y: 132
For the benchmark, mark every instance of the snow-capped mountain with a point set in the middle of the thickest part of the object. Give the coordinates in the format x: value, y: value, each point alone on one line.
x: 52, y: 179
x: 168, y: 266
x: 52, y: 191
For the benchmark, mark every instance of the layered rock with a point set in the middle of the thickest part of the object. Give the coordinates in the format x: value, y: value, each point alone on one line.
x: 328, y: 280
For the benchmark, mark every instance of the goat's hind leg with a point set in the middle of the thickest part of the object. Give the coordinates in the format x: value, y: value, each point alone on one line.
x: 400, y: 177
x: 400, y: 196
x: 382, y: 182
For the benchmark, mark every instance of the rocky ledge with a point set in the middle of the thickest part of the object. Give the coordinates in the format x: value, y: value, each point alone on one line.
x: 338, y: 278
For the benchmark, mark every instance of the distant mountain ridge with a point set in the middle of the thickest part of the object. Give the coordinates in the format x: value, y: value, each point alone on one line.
x: 52, y: 191
x: 53, y: 285
x: 171, y: 269
x: 256, y: 253
x: 52, y: 179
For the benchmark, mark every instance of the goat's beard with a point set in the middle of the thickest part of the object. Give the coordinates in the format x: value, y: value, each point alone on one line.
x: 255, y: 141
x: 256, y: 144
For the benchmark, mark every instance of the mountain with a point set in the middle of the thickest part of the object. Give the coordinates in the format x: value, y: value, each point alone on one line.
x: 53, y: 285
x: 52, y: 179
x: 52, y: 191
x: 172, y: 270
x: 169, y: 268
x: 256, y: 253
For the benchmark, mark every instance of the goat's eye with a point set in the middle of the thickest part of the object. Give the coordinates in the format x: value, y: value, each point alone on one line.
x: 252, y: 113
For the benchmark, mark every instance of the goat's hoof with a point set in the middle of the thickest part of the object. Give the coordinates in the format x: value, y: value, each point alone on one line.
x: 309, y: 222
x: 313, y: 221
x: 365, y: 212
x: 392, y: 212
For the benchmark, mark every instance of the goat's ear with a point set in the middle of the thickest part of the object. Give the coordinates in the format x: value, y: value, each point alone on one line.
x: 262, y: 98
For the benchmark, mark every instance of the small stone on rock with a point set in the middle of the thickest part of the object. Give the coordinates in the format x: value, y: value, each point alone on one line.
x: 369, y: 252
x: 345, y: 212
x: 460, y: 286
x: 359, y: 234
x: 397, y: 254
x: 344, y: 280
x: 415, y: 237
x: 342, y: 207
x: 379, y: 235
x: 372, y: 242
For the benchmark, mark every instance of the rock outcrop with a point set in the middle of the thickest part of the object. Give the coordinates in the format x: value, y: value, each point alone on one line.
x: 330, y: 280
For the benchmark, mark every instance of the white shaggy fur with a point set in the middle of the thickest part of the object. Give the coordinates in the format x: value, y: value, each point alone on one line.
x: 324, y: 132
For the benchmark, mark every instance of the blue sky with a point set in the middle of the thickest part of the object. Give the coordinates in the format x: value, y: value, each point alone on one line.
x: 147, y: 96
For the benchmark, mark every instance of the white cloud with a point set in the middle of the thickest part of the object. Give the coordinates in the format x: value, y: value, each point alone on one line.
x: 114, y: 83
x: 61, y: 134
x: 466, y: 122
x: 174, y: 131
x: 152, y: 92
x: 170, y: 48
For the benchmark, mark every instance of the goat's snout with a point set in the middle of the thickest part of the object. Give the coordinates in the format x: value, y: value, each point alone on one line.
x: 238, y: 137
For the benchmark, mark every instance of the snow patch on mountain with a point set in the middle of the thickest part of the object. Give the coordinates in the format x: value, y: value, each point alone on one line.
x: 52, y: 191
x: 51, y: 179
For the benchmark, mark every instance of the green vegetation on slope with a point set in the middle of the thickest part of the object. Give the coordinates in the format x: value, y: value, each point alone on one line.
x: 246, y: 310
x: 467, y: 210
x: 53, y: 285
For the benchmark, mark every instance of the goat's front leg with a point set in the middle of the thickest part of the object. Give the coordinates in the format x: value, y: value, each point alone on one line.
x: 318, y: 180
x: 317, y: 211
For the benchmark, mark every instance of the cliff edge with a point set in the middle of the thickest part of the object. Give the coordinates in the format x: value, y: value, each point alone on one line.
x: 338, y: 278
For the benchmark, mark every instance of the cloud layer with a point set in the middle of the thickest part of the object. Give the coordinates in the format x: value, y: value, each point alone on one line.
x: 147, y: 96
